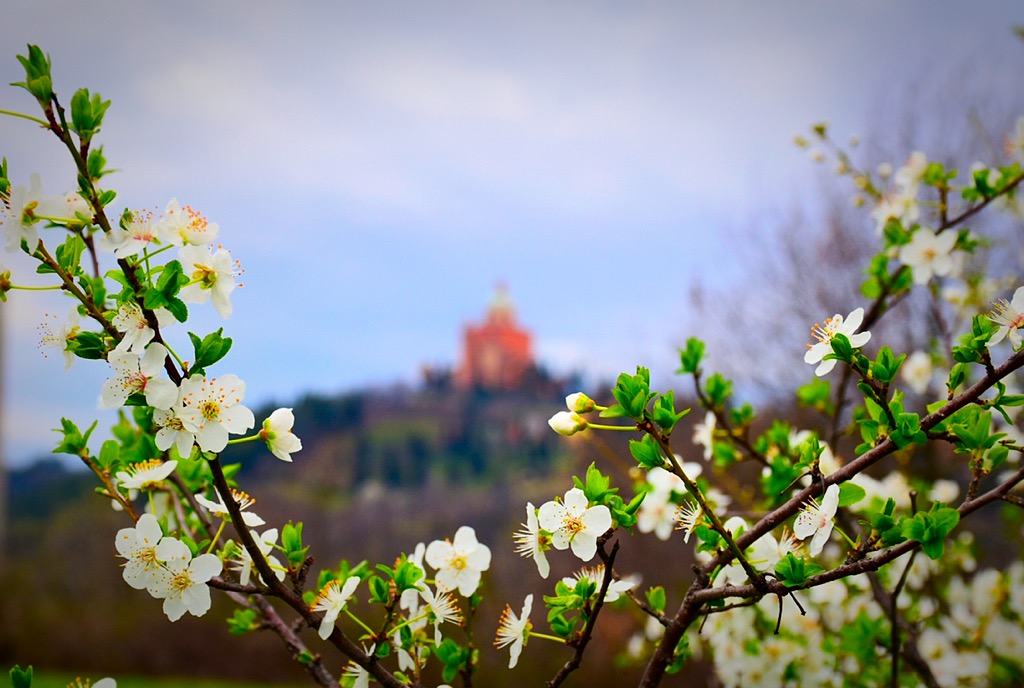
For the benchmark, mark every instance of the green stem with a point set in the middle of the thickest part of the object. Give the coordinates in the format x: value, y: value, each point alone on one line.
x: 243, y: 440
x: 545, y: 636
x: 55, y: 287
x: 846, y: 537
x: 355, y: 618
x: 216, y: 536
x: 22, y: 115
x: 621, y: 428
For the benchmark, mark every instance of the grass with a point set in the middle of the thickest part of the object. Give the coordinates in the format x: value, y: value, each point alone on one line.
x: 52, y: 679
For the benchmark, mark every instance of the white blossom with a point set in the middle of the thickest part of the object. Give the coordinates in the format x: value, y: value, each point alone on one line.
x: 277, y: 433
x: 331, y: 601
x: 531, y: 541
x: 139, y: 375
x: 573, y: 523
x: 181, y: 581
x: 816, y: 521
x: 513, y: 631
x: 824, y: 333
x: 212, y: 408
x: 458, y: 563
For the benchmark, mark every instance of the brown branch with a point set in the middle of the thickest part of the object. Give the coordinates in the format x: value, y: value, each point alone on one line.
x: 588, y: 630
x: 700, y: 594
x: 294, y: 600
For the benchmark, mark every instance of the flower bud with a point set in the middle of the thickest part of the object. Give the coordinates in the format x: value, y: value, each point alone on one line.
x: 580, y: 403
x: 567, y: 423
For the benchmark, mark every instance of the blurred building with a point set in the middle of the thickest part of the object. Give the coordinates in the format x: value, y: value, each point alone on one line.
x: 497, y: 354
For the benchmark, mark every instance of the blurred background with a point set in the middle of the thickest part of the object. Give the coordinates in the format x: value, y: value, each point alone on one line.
x: 602, y: 180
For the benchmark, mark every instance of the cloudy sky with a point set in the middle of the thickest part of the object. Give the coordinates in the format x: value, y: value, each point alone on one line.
x: 378, y: 167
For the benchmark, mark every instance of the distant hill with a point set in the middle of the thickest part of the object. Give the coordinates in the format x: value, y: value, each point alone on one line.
x: 406, y: 437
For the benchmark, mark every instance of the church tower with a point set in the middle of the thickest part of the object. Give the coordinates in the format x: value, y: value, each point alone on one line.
x: 496, y: 354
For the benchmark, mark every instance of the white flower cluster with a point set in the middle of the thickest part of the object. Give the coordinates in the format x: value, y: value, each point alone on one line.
x: 164, y: 567
x: 986, y: 608
x: 901, y: 203
x: 458, y: 565
x: 26, y: 207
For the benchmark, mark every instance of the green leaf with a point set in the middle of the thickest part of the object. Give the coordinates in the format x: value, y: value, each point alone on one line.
x: 690, y: 357
x: 863, y: 636
x: 664, y: 412
x: 379, y: 589
x: 74, y: 442
x: 816, y: 395
x: 598, y: 485
x: 87, y: 113
x: 886, y: 365
x: 243, y: 621
x: 97, y: 167
x: 291, y: 541
x: 208, y: 350
x: 37, y: 75
x: 69, y: 254
x: 850, y: 493
x: 718, y: 389
x: 841, y: 347
x: 794, y: 571
x: 930, y: 528
x: 110, y: 453
x: 165, y: 293
x: 87, y: 345
x: 656, y: 598
x: 646, y: 452
x: 21, y: 678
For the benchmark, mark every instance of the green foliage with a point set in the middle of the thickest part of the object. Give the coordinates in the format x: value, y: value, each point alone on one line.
x: 971, y: 426
x: 110, y: 455
x: 710, y: 540
x: 570, y: 606
x: 816, y: 394
x: 164, y: 294
x: 972, y: 346
x: 37, y: 76
x: 21, y: 678
x: 380, y: 590
x: 795, y: 571
x: 690, y: 357
x: 87, y: 345
x: 718, y: 389
x: 863, y: 636
x: 598, y: 490
x: 664, y: 414
x: 647, y: 452
x: 243, y: 621
x: 5, y: 182
x: 97, y: 168
x: 69, y: 254
x: 892, y: 422
x: 453, y: 656
x: 886, y: 365
x: 850, y: 493
x: 73, y: 441
x: 632, y: 392
x: 87, y: 113
x: 930, y: 528
x: 208, y: 350
x: 887, y: 528
x: 656, y: 598
x: 291, y: 542
x: 681, y: 655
